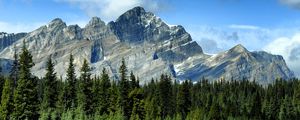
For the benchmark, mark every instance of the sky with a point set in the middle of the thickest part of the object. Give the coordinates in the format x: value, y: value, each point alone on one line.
x: 217, y: 25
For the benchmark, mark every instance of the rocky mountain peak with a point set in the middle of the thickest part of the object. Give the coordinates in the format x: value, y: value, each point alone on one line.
x: 57, y: 23
x: 95, y: 22
x: 238, y: 49
x: 135, y: 12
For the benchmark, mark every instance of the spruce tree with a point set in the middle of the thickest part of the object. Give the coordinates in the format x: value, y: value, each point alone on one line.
x: 104, y: 93
x: 287, y: 110
x: 114, y: 104
x: 152, y: 102
x: 165, y: 94
x: 85, y: 87
x: 50, y: 90
x: 25, y: 95
x: 124, y: 90
x: 96, y: 95
x: 70, y: 97
x: 6, y: 101
x: 184, y: 99
x: 215, y: 111
x: 133, y: 81
x: 14, y: 72
x: 136, y: 97
x: 2, y: 81
x: 296, y: 98
x: 60, y: 103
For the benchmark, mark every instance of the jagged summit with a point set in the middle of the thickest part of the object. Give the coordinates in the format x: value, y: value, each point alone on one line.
x: 135, y: 12
x: 95, y: 21
x: 238, y: 49
x: 57, y: 23
x: 57, y: 20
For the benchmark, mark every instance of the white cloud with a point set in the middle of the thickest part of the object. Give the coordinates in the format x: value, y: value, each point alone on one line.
x: 110, y: 9
x: 291, y: 3
x: 249, y: 27
x: 18, y: 27
x: 289, y: 48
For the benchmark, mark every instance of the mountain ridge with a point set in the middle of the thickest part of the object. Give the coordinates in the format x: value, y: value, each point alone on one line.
x: 149, y: 45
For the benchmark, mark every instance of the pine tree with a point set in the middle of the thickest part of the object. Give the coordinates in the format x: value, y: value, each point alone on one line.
x: 2, y: 81
x: 165, y: 93
x: 85, y: 87
x: 70, y: 97
x: 96, y: 96
x: 296, y: 98
x: 104, y: 93
x: 50, y: 94
x: 256, y: 106
x: 287, y: 110
x: 25, y: 95
x: 114, y: 104
x: 6, y: 101
x: 60, y: 103
x: 133, y: 81
x: 215, y: 111
x: 124, y: 90
x: 152, y: 102
x: 184, y: 99
x: 14, y: 72
x: 136, y: 97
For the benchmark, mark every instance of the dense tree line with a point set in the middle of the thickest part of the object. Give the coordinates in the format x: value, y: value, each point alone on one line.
x: 87, y: 97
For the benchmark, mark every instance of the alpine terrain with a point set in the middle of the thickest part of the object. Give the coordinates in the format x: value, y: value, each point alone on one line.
x: 150, y: 47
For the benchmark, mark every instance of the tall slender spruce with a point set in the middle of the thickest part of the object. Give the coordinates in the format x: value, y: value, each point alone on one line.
x: 70, y: 89
x: 50, y: 90
x: 85, y: 96
x: 124, y: 90
x: 25, y: 95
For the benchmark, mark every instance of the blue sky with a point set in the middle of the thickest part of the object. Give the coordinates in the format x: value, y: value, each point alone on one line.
x: 217, y: 25
x: 263, y: 13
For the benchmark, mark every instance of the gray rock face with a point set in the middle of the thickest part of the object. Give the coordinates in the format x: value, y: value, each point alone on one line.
x: 237, y: 64
x: 8, y: 39
x: 150, y: 47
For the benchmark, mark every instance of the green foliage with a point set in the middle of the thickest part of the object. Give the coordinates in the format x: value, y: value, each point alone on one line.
x: 14, y: 72
x: 134, y: 82
x: 102, y: 97
x: 165, y: 93
x: 2, y: 82
x: 136, y: 99
x: 50, y: 91
x: 70, y: 89
x: 114, y: 104
x: 25, y: 95
x: 184, y: 99
x: 124, y: 90
x: 103, y: 93
x: 84, y: 91
x: 287, y: 111
x: 6, y: 100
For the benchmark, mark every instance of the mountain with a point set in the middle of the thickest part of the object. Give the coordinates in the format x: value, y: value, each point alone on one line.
x: 149, y: 45
x: 8, y: 39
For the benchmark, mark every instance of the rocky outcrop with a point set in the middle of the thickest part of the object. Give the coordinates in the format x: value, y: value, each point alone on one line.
x: 149, y: 45
x: 238, y: 64
x: 8, y: 39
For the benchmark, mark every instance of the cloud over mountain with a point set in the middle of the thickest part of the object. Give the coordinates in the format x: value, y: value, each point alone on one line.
x: 289, y: 48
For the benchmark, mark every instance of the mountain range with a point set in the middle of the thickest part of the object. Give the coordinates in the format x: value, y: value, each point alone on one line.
x: 150, y: 47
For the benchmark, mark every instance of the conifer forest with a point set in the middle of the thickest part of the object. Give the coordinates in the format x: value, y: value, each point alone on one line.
x: 98, y: 97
